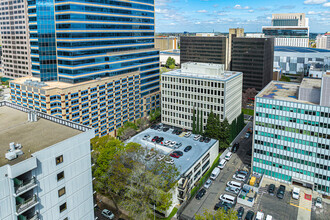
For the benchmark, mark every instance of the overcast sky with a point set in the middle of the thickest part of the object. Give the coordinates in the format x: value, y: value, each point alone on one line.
x: 220, y: 15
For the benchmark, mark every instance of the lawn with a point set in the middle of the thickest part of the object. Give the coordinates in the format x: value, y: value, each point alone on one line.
x: 247, y: 111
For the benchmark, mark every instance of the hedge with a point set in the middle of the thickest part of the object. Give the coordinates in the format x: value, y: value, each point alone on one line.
x: 174, y: 211
x: 205, y: 177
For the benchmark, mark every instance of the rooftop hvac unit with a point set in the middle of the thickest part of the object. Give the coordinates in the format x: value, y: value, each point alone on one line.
x: 13, y: 151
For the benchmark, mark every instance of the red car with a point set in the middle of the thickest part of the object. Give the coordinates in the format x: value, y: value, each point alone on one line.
x: 155, y: 139
x: 174, y: 155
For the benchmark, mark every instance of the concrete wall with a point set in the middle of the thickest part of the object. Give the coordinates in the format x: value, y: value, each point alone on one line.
x: 325, y: 90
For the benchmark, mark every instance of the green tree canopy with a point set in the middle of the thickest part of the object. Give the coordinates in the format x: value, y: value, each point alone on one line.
x: 212, y: 126
x: 224, y: 134
x: 170, y: 62
x: 220, y: 214
x: 155, y: 115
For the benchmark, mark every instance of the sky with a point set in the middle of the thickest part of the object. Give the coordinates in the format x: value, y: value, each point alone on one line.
x: 220, y: 15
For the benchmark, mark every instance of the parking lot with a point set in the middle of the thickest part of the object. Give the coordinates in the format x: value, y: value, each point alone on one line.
x: 208, y: 201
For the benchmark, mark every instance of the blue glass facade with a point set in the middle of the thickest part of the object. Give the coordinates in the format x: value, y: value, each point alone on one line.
x: 285, y: 22
x: 294, y: 32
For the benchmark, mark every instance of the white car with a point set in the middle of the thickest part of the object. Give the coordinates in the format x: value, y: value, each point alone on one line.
x: 269, y: 217
x: 166, y: 143
x: 318, y: 202
x: 222, y: 163
x: 108, y: 214
x: 207, y: 184
x: 247, y: 135
x: 160, y: 157
x: 239, y: 177
x: 260, y: 216
x: 228, y: 156
x: 295, y: 193
x: 196, y: 138
x: 187, y: 134
x: 172, y: 144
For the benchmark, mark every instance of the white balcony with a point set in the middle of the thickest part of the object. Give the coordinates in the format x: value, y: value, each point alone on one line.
x: 26, y: 205
x: 25, y: 186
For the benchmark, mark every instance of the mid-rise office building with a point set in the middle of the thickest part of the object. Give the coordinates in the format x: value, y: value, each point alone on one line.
x: 298, y: 60
x: 203, y: 49
x: 45, y: 166
x: 98, y: 69
x: 166, y: 43
x: 201, y: 87
x: 323, y: 41
x: 233, y: 32
x: 290, y: 29
x: 292, y: 133
x: 254, y: 57
x: 14, y: 34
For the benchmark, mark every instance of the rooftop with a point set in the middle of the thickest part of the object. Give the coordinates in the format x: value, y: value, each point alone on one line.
x: 300, y: 49
x: 206, y: 71
x: 185, y: 162
x: 33, y: 136
x: 288, y: 91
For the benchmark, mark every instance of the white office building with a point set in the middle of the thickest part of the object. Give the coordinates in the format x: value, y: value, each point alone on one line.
x: 292, y: 133
x: 45, y: 166
x: 323, y: 41
x: 289, y: 29
x: 203, y: 87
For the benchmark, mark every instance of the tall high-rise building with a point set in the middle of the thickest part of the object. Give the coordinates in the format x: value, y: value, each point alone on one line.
x: 292, y: 133
x: 254, y: 57
x: 203, y: 49
x: 16, y: 61
x: 93, y: 62
x: 45, y: 166
x: 233, y: 32
x: 290, y: 29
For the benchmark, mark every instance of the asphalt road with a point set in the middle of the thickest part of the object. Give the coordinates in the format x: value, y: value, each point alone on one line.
x: 218, y: 186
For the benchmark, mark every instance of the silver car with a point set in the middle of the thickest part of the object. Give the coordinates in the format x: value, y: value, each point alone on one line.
x: 232, y: 190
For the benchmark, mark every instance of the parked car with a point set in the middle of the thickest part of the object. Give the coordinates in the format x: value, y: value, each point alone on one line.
x: 295, y: 193
x: 235, y: 147
x: 233, y: 190
x: 224, y: 205
x: 180, y: 153
x: 178, y: 132
x: 200, y: 194
x: 188, y: 134
x: 188, y: 148
x: 201, y: 139
x: 240, y: 212
x: 160, y: 157
x: 196, y: 138
x: 269, y: 217
x: 271, y: 189
x: 159, y: 140
x: 207, y: 140
x: 247, y: 135
x: 177, y: 145
x: 172, y: 144
x: 108, y: 214
x: 318, y: 202
x: 166, y: 143
x: 166, y: 129
x: 207, y: 184
x: 168, y: 160
x: 146, y: 137
x: 153, y: 126
x: 228, y: 156
x: 243, y: 172
x: 222, y: 163
x: 249, y: 215
x: 215, y: 173
x: 260, y: 216
x: 239, y: 177
x: 174, y: 155
x: 228, y: 198
x: 174, y: 131
x: 155, y: 139
x: 280, y: 192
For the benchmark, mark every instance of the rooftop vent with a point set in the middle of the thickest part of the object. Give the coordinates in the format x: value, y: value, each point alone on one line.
x: 14, y: 151
x: 32, y: 116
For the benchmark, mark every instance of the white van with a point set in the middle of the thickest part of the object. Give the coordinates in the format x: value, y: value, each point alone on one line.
x: 295, y: 193
x: 222, y: 163
x: 269, y: 217
x: 228, y: 198
x: 234, y: 184
x: 215, y: 173
x: 228, y: 156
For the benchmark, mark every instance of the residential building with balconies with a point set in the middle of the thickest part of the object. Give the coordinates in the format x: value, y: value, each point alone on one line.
x: 45, y: 166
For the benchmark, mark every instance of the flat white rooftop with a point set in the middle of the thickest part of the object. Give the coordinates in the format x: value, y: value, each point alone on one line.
x: 187, y: 160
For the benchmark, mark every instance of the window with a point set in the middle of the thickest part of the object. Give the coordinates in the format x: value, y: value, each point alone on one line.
x: 63, y: 207
x: 61, y: 192
x: 59, y: 159
x: 60, y: 176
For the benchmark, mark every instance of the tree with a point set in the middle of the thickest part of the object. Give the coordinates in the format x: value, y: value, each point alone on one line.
x: 220, y: 214
x: 155, y: 115
x: 121, y: 173
x: 211, y: 129
x: 142, y: 123
x: 248, y: 94
x: 170, y: 61
x: 201, y: 129
x: 194, y: 121
x: 127, y: 130
x: 224, y: 134
x: 233, y: 129
x: 285, y: 78
x: 172, y: 66
x: 197, y: 126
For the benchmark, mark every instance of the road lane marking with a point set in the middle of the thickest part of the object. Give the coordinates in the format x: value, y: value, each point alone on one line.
x: 300, y: 207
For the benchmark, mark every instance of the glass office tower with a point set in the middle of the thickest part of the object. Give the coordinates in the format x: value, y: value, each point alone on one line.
x: 80, y: 46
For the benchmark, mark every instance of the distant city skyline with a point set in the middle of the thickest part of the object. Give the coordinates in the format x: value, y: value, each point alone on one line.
x: 219, y: 16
